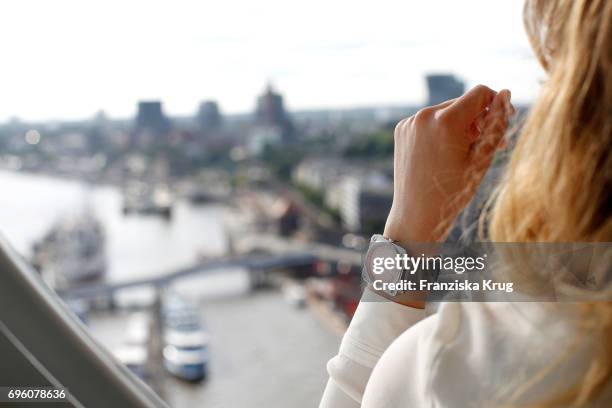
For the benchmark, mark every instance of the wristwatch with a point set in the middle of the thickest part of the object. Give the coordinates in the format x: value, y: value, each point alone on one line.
x: 382, y: 248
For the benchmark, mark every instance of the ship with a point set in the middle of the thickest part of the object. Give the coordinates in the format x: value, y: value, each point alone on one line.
x: 72, y: 252
x: 143, y: 198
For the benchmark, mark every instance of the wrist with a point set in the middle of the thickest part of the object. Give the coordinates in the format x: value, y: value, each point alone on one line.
x: 414, y: 228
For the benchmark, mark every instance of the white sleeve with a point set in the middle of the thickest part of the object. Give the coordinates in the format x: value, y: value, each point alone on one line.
x: 376, y: 323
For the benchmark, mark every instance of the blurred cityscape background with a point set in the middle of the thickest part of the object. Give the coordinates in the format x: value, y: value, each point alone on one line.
x: 217, y: 253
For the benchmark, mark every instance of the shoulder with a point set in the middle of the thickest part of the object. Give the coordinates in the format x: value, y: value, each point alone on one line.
x: 464, y: 354
x: 401, y: 375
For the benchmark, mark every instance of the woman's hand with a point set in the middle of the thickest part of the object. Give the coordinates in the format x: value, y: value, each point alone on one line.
x: 441, y: 155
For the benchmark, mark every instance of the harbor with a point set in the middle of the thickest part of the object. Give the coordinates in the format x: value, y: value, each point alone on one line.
x: 291, y: 332
x: 271, y: 366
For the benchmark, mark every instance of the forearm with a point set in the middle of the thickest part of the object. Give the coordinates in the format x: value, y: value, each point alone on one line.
x: 375, y: 325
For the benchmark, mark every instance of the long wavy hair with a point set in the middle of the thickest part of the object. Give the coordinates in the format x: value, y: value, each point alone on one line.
x: 558, y: 183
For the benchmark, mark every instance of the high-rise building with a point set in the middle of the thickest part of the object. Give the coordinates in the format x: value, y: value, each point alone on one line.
x: 270, y: 112
x: 364, y: 201
x: 442, y: 87
x: 151, y: 118
x: 209, y: 117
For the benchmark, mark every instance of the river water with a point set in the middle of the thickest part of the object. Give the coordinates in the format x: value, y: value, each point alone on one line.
x: 264, y: 352
x: 136, y: 246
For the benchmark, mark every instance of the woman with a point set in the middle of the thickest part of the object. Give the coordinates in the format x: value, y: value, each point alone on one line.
x: 557, y: 188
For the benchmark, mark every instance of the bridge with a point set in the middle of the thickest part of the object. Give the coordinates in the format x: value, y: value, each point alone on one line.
x: 253, y: 263
x: 282, y: 253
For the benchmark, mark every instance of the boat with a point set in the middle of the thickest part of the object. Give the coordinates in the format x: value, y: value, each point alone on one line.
x: 294, y: 293
x: 190, y: 365
x: 138, y: 329
x: 72, y: 252
x: 201, y: 196
x: 144, y: 198
x: 186, y: 340
x: 211, y: 187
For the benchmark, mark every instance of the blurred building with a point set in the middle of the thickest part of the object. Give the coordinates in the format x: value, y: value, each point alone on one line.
x: 364, y: 202
x: 261, y: 136
x: 270, y: 113
x: 361, y: 195
x: 319, y: 173
x: 209, y: 117
x: 151, y: 123
x: 442, y: 87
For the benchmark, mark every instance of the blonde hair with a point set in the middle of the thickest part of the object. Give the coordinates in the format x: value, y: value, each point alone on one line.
x: 558, y: 184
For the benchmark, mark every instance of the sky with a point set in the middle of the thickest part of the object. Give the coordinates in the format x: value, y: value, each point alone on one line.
x: 66, y: 59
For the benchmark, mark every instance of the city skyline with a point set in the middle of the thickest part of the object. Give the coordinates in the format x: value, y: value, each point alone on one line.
x: 109, y: 55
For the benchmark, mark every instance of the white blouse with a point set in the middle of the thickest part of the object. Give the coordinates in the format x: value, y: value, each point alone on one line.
x: 464, y: 355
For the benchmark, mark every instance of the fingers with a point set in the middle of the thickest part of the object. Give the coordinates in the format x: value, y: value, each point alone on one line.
x: 465, y: 109
x: 493, y: 129
x: 509, y: 112
x: 493, y: 121
x: 496, y: 120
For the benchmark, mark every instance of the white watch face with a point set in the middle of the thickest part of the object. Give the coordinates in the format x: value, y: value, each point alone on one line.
x: 381, y: 265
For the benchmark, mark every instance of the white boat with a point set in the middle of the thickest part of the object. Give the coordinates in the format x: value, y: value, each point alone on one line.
x: 145, y: 198
x: 190, y: 365
x: 187, y: 339
x: 72, y: 252
x: 186, y: 353
x: 138, y: 329
x: 295, y: 294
